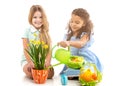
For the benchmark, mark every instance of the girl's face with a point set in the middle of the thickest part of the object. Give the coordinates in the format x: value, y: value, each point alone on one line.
x: 37, y: 20
x: 76, y: 23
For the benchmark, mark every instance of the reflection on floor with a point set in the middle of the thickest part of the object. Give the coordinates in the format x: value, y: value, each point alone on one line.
x: 50, y: 82
x: 19, y: 79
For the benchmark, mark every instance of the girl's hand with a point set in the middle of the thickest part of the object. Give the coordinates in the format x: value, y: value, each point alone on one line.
x: 47, y: 63
x: 30, y: 66
x: 64, y: 44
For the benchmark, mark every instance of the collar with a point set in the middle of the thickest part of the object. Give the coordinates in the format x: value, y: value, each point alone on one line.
x: 33, y: 29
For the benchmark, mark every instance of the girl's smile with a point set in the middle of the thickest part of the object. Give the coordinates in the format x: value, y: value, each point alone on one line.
x: 37, y: 20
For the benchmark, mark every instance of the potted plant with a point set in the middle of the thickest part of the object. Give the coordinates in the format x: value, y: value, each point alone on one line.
x: 38, y: 51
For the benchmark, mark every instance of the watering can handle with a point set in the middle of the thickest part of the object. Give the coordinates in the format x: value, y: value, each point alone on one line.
x: 54, y: 47
x: 68, y: 48
x: 57, y: 45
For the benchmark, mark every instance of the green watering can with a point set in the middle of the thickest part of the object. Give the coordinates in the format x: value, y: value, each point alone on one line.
x: 64, y: 57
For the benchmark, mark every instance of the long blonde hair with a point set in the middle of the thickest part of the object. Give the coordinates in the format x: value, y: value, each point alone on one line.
x: 44, y: 33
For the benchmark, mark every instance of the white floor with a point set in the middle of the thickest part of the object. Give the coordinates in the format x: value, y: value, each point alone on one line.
x: 50, y: 82
x: 15, y: 77
x: 25, y: 81
x: 11, y: 74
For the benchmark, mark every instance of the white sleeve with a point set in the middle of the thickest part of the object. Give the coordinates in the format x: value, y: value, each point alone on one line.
x: 25, y: 33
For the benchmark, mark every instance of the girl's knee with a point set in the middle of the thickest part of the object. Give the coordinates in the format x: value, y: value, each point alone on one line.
x: 50, y: 73
x: 27, y: 71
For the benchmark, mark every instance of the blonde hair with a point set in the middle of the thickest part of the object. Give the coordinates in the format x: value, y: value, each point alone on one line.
x: 44, y: 35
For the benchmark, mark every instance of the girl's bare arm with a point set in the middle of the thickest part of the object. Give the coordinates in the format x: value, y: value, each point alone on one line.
x: 25, y: 46
x: 80, y: 43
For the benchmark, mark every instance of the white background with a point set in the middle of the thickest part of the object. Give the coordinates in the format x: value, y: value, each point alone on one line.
x: 105, y: 15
